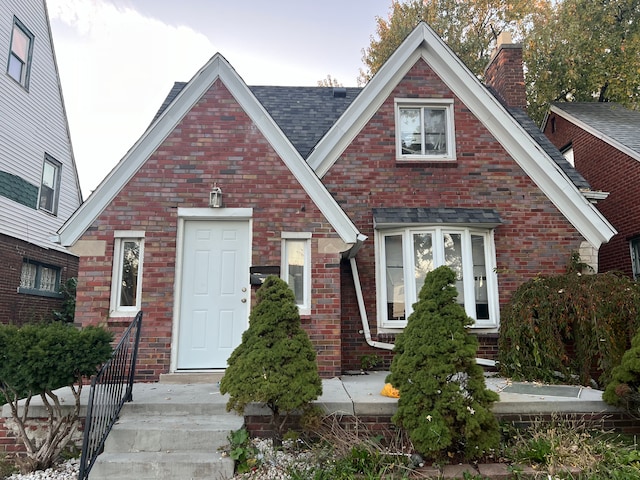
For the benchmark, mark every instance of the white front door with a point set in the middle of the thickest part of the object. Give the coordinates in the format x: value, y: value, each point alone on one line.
x: 215, y: 292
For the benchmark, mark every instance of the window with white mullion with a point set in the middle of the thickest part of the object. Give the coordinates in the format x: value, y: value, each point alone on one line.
x: 407, y: 255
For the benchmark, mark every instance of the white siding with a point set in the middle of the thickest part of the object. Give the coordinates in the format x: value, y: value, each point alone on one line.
x: 33, y: 123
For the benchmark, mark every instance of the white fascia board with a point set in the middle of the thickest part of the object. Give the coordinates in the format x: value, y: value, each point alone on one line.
x: 216, y: 68
x: 541, y: 168
x: 373, y: 95
x: 307, y: 178
x: 424, y: 43
x: 595, y: 132
x: 138, y: 154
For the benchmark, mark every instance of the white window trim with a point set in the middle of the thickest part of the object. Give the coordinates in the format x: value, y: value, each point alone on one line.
x: 420, y: 103
x: 305, y: 307
x: 120, y: 236
x: 387, y: 326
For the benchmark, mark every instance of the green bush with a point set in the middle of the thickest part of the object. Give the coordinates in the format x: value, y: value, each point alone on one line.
x: 444, y: 404
x: 37, y: 359
x: 570, y: 325
x: 68, y: 311
x: 275, y: 364
x: 624, y: 388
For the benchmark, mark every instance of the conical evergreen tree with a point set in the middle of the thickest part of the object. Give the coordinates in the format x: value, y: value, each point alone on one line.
x: 444, y: 404
x: 275, y: 364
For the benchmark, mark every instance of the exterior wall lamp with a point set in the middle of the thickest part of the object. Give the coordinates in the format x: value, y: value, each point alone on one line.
x: 215, y: 197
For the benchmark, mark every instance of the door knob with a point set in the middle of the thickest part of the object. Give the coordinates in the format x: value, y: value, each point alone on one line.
x: 244, y: 300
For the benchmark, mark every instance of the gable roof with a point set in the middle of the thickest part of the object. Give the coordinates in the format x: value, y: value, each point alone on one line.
x: 424, y: 43
x: 216, y: 68
x: 286, y: 110
x: 608, y: 121
x: 304, y: 114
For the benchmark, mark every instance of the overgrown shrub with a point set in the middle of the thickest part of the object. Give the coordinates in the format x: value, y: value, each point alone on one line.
x: 68, y: 311
x: 37, y: 359
x: 624, y: 388
x: 571, y: 325
x: 275, y: 364
x: 444, y: 404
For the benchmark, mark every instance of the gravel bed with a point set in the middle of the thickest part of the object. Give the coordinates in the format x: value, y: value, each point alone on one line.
x: 65, y: 471
x: 275, y: 464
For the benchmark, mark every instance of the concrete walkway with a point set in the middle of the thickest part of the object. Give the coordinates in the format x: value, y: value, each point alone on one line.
x: 357, y: 395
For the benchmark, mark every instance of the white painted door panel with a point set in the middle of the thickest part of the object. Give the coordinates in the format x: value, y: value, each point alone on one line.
x: 214, y: 292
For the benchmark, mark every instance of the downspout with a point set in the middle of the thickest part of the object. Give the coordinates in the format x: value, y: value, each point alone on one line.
x: 365, y: 321
x: 363, y: 312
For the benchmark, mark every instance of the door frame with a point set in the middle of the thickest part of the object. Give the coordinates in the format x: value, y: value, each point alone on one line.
x: 203, y: 214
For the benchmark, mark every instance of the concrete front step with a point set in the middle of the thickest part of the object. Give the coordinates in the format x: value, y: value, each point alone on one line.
x: 162, y: 466
x: 144, y: 433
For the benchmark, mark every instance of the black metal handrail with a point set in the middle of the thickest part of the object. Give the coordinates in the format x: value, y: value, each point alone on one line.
x: 106, y: 396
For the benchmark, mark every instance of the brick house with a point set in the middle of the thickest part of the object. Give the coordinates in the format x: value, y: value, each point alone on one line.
x: 351, y: 195
x: 603, y: 141
x: 39, y: 187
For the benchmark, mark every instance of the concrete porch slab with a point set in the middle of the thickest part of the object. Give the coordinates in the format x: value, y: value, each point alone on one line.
x: 351, y: 395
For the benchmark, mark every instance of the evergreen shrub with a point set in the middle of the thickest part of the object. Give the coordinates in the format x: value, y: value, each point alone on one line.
x: 37, y: 359
x: 444, y: 404
x: 624, y: 388
x: 276, y: 363
x: 557, y: 328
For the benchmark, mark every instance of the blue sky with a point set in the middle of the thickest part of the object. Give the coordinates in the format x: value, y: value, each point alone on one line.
x: 119, y: 58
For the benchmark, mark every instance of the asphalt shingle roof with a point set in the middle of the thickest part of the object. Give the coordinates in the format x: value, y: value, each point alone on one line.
x: 532, y: 129
x: 305, y: 115
x: 609, y: 118
x: 402, y: 215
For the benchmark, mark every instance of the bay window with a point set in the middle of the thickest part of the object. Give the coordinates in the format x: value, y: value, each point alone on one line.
x: 407, y: 254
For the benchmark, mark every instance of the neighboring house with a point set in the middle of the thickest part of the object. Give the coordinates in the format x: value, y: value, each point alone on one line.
x: 39, y: 187
x: 351, y: 195
x: 603, y: 141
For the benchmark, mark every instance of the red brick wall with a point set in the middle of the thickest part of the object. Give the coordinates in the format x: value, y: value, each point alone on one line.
x: 534, y: 237
x: 215, y: 143
x: 504, y: 73
x: 608, y: 169
x: 20, y: 308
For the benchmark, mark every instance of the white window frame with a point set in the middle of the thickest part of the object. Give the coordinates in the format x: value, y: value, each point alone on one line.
x: 567, y: 153
x: 437, y: 103
x: 634, y: 246
x: 57, y: 167
x: 25, y: 62
x: 120, y: 237
x: 410, y: 293
x: 305, y: 306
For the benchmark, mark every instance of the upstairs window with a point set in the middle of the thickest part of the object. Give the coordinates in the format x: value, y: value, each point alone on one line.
x: 126, y: 285
x: 20, y: 53
x: 39, y: 279
x: 425, y: 129
x: 50, y: 185
x: 296, y: 267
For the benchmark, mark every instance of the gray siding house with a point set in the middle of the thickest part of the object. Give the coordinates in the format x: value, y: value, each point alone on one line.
x: 39, y: 187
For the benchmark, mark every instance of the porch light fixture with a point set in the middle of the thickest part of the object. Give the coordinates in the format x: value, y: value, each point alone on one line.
x: 215, y: 197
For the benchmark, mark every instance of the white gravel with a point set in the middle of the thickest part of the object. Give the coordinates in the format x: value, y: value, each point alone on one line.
x: 65, y: 471
x: 275, y: 464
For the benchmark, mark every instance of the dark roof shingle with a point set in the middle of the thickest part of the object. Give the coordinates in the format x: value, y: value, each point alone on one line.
x: 611, y: 119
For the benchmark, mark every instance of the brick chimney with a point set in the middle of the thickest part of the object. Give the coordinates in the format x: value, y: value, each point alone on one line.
x: 504, y: 73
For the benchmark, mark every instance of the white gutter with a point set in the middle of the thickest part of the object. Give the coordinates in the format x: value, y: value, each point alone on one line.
x: 365, y: 321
